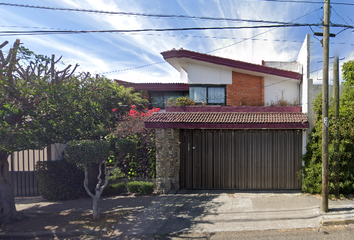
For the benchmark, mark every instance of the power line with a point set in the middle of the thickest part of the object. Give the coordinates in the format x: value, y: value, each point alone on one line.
x: 299, y: 1
x: 132, y: 68
x: 141, y: 14
x: 44, y: 32
x: 261, y: 19
x: 339, y: 15
x: 230, y: 45
x: 185, y: 36
x: 235, y: 38
x: 245, y: 39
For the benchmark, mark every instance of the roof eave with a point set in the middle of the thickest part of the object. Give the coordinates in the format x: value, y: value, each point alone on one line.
x: 177, y: 54
x: 155, y: 86
x: 228, y: 125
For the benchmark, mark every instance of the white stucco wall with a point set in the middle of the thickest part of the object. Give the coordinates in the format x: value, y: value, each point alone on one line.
x: 199, y: 74
x: 288, y: 66
x: 184, y: 75
x: 304, y: 59
x: 277, y: 88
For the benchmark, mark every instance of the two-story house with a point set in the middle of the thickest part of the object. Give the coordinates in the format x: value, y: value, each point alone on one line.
x: 249, y: 131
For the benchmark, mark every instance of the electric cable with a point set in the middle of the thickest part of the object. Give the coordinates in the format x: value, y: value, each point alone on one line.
x: 141, y: 14
x: 300, y: 1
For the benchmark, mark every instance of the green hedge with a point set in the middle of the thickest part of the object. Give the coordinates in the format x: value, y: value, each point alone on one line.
x: 114, y: 189
x: 60, y: 180
x: 143, y: 188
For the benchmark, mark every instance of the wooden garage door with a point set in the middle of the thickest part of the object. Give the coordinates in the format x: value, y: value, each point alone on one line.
x: 233, y: 159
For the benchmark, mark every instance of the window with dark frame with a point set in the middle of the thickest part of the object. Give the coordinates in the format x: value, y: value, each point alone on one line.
x: 208, y: 94
x: 158, y: 99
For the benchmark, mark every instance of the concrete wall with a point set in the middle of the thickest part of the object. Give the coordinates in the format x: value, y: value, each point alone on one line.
x: 313, y: 91
x: 184, y: 76
x: 304, y: 59
x: 279, y: 88
x: 199, y: 74
x: 167, y: 159
x: 289, y: 66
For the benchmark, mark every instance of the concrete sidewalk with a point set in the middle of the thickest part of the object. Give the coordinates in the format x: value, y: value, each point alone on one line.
x: 208, y: 211
x: 215, y: 211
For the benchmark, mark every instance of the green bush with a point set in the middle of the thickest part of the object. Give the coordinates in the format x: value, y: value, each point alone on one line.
x: 180, y: 101
x: 141, y: 161
x: 60, y: 180
x: 114, y: 189
x: 143, y: 188
x: 312, y: 171
x: 116, y: 174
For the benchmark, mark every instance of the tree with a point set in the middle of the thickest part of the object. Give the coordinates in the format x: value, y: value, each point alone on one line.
x: 82, y: 108
x: 313, y: 159
x: 142, y: 163
x: 40, y: 105
x: 87, y: 152
x: 26, y: 80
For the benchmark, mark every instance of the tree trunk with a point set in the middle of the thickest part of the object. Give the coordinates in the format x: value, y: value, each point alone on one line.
x: 95, y: 197
x: 95, y: 207
x: 7, y: 199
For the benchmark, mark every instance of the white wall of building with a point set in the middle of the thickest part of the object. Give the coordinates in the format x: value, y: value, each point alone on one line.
x: 184, y: 75
x: 280, y: 88
x: 304, y: 59
x: 199, y: 74
x: 288, y: 66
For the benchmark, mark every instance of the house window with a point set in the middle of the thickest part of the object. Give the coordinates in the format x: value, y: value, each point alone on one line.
x: 159, y: 99
x: 211, y: 95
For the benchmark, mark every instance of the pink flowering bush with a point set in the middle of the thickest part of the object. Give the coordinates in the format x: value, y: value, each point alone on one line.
x: 142, y: 163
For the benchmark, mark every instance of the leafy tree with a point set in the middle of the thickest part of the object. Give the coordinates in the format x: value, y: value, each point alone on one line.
x: 83, y: 108
x: 41, y: 105
x: 313, y: 158
x: 142, y: 162
x: 26, y: 80
x: 87, y: 152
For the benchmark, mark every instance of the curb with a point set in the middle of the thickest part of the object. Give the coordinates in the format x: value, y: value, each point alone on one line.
x: 30, y: 235
x: 337, y: 222
x: 338, y: 216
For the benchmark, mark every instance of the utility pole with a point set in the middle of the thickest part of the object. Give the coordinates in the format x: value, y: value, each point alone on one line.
x: 336, y: 117
x: 325, y: 106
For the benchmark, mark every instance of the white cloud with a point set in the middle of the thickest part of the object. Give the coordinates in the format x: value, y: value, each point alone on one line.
x: 106, y: 52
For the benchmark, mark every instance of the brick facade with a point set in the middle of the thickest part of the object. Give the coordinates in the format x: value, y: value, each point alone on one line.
x: 245, y: 90
x: 167, y: 159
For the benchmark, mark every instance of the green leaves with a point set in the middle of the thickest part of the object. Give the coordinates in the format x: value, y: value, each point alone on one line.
x: 87, y: 151
x: 313, y: 157
x: 348, y: 73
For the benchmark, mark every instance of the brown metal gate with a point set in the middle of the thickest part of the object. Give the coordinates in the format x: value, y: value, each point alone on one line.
x: 22, y: 166
x: 234, y: 159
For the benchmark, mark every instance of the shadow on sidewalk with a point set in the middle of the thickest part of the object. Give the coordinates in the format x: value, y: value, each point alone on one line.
x: 170, y: 213
x: 46, y: 218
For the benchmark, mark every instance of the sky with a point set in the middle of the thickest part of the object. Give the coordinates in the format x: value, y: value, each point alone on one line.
x: 136, y: 57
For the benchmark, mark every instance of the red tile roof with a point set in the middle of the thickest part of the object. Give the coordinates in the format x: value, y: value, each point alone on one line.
x: 245, y: 120
x: 229, y: 109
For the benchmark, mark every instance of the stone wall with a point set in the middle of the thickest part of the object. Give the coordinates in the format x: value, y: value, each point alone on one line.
x: 167, y: 159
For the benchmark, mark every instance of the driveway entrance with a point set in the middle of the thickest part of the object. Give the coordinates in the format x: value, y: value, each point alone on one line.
x: 240, y: 159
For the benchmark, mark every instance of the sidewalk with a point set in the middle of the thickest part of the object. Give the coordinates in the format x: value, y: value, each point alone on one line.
x: 204, y: 211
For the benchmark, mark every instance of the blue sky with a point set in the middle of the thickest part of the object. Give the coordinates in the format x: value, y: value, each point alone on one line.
x: 119, y: 56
